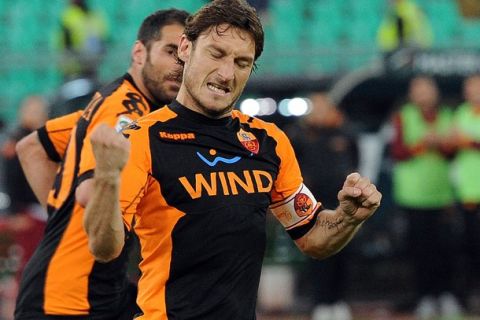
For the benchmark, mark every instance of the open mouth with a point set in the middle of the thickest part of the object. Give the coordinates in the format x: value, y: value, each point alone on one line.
x: 218, y: 88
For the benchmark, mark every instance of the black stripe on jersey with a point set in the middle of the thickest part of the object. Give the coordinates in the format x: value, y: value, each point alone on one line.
x: 80, y: 135
x: 111, y: 300
x: 31, y: 294
x: 48, y: 145
x: 299, y: 232
x: 111, y: 87
x: 85, y: 176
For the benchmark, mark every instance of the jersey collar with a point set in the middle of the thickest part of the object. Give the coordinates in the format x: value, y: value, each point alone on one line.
x: 196, y: 117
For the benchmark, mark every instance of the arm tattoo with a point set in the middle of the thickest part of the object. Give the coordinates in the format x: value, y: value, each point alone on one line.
x: 329, y: 224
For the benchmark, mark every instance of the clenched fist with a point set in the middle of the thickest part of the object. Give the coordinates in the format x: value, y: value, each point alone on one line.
x: 358, y: 198
x: 110, y: 148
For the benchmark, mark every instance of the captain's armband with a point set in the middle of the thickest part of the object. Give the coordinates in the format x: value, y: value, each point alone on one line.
x: 298, y: 212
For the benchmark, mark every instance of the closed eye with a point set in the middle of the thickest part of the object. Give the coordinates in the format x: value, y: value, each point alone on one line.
x: 243, y: 63
x: 171, y: 50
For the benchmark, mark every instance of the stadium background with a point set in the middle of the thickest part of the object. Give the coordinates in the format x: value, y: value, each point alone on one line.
x: 310, y: 45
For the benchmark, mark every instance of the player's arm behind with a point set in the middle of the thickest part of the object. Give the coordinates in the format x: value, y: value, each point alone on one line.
x: 37, y: 166
x: 103, y: 220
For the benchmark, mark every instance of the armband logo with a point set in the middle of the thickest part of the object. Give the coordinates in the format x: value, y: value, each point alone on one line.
x: 303, y: 205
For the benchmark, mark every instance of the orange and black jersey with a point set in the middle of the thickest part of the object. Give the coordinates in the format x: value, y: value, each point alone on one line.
x: 54, y: 136
x: 196, y: 191
x: 62, y: 278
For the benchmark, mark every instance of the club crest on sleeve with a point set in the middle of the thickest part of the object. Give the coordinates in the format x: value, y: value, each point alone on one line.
x: 303, y: 205
x: 248, y: 140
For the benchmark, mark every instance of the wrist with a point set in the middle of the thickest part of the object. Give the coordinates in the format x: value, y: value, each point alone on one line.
x: 107, y: 175
x: 348, y: 220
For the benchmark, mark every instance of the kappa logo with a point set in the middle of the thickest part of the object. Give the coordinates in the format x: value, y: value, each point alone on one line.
x: 217, y: 159
x: 177, y: 136
x: 134, y: 104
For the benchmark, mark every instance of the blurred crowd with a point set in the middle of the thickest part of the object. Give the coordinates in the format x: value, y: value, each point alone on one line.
x: 427, y: 232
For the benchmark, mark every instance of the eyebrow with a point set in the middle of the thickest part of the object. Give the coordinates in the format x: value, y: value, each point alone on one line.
x: 171, y: 46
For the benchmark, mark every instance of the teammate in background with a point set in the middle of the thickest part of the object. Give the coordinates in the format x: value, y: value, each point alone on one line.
x: 201, y: 178
x: 466, y: 136
x: 422, y: 188
x: 63, y: 279
x: 321, y: 140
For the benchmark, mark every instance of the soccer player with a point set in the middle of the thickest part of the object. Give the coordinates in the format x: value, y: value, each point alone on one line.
x: 200, y: 179
x: 63, y: 279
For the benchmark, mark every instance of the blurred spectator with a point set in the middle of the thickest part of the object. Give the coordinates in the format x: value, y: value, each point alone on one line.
x: 470, y: 9
x: 83, y: 36
x: 466, y: 164
x: 404, y: 26
x: 327, y: 153
x: 32, y: 115
x: 23, y: 227
x: 421, y: 187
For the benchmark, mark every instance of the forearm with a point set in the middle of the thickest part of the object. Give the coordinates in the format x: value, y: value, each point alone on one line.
x: 103, y: 221
x: 331, y: 232
x: 39, y: 170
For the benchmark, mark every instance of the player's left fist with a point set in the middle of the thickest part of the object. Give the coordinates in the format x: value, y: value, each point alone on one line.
x: 358, y: 198
x: 110, y: 148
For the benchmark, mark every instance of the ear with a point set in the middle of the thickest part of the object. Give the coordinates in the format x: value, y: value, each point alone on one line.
x: 139, y: 53
x: 184, y: 48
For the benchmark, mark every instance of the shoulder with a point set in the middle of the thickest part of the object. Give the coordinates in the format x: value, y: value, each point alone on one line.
x: 118, y: 99
x: 271, y: 130
x: 143, y: 124
x: 257, y: 123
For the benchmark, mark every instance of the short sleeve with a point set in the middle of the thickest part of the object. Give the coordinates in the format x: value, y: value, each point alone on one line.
x: 54, y: 136
x: 293, y: 204
x: 289, y: 177
x: 136, y: 174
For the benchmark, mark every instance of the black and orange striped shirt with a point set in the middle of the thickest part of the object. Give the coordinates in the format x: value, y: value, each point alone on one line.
x: 196, y: 191
x: 63, y: 278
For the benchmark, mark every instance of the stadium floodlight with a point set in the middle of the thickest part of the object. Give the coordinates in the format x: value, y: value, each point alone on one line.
x: 298, y: 106
x: 283, y: 108
x: 268, y: 106
x: 250, y: 107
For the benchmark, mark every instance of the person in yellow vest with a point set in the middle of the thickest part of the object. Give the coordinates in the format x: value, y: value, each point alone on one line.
x: 466, y: 172
x: 422, y: 189
x: 83, y: 35
x: 404, y: 26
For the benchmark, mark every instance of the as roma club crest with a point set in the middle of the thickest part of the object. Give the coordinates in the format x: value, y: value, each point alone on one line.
x: 248, y: 140
x: 303, y: 205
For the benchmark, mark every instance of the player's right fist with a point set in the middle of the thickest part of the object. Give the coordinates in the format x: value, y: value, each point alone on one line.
x: 110, y: 148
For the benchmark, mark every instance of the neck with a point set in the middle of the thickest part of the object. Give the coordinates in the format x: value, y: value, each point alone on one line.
x: 186, y: 99
x: 137, y: 78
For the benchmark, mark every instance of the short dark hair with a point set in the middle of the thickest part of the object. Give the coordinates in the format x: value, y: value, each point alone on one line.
x: 237, y: 13
x: 150, y: 30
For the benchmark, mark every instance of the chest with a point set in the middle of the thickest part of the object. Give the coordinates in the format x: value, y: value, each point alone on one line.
x: 201, y: 170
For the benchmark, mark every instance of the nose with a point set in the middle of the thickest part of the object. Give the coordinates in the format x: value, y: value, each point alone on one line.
x: 226, y: 71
